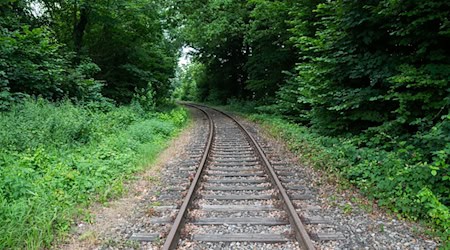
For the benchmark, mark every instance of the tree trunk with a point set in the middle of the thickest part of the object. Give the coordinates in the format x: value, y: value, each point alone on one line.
x: 79, y: 28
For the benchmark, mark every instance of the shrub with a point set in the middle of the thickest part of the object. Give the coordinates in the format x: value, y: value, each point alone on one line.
x: 57, y: 158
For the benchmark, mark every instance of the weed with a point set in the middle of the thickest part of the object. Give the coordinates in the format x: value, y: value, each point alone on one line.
x: 132, y: 244
x: 151, y: 212
x: 347, y: 208
x: 332, y: 197
x: 356, y: 200
x: 366, y: 207
x: 156, y: 204
x: 88, y: 217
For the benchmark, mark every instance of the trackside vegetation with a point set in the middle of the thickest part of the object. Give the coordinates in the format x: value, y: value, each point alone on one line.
x: 395, y: 179
x: 55, y: 159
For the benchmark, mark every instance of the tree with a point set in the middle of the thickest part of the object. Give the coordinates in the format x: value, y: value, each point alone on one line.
x: 34, y: 63
x: 126, y: 39
x: 271, y: 52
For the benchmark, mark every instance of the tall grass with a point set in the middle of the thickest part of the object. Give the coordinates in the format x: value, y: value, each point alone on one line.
x: 57, y: 158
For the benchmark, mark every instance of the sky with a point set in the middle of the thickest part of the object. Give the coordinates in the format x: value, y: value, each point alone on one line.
x: 36, y: 8
x: 185, y: 58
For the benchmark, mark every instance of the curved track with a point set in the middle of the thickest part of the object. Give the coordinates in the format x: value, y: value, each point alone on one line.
x: 235, y: 177
x: 231, y: 192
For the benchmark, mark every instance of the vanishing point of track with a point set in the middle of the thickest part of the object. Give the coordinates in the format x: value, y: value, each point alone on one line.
x: 234, y: 144
x: 234, y: 193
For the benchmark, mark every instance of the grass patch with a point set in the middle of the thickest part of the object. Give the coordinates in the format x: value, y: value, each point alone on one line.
x: 56, y: 159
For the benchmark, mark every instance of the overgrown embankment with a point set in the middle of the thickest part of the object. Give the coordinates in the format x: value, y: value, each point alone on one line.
x: 393, y: 178
x: 57, y: 158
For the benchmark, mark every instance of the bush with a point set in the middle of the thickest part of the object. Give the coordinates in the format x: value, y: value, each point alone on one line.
x: 57, y: 158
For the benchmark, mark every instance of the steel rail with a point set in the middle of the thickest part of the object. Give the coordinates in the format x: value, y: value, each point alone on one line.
x: 174, y: 234
x: 301, y: 234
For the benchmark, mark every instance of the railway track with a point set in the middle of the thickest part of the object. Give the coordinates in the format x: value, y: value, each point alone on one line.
x: 238, y: 196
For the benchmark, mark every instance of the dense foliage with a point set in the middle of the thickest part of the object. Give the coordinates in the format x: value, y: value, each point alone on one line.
x: 243, y: 45
x: 371, y: 74
x: 84, y: 50
x: 189, y: 79
x: 54, y: 159
x: 33, y: 62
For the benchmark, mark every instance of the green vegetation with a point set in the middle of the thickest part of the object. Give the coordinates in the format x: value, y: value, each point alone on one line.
x: 83, y: 86
x: 70, y: 49
x: 365, y: 85
x: 57, y: 158
x: 188, y: 82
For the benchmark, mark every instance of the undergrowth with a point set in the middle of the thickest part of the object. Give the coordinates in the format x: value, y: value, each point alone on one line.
x: 399, y: 183
x: 57, y: 158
